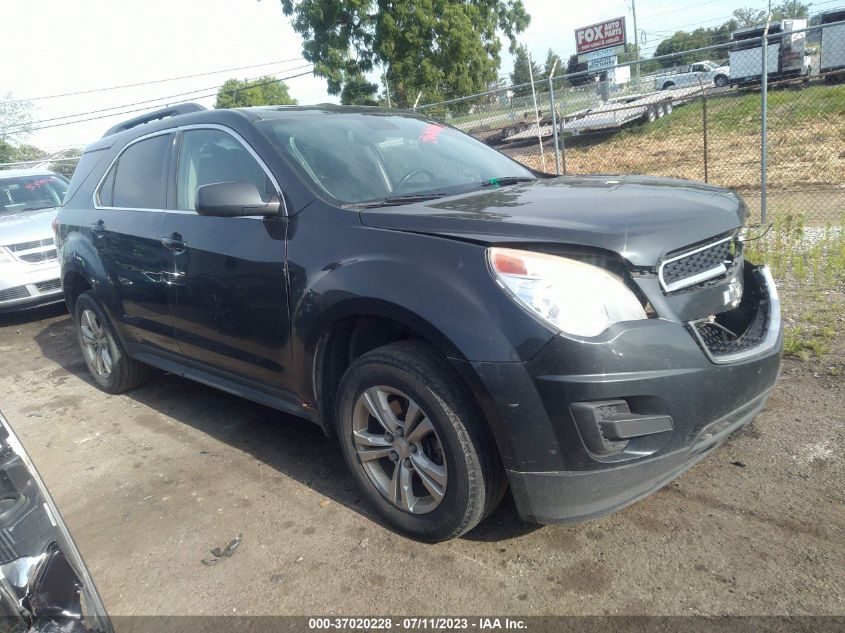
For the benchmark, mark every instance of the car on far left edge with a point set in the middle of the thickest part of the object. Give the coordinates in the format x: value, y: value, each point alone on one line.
x: 29, y: 270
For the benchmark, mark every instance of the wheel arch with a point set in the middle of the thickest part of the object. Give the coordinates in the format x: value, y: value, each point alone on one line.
x: 353, y: 328
x: 81, y: 269
x: 353, y: 334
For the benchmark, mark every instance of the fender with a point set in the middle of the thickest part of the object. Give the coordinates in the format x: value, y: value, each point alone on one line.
x: 320, y: 310
x: 453, y: 301
x: 78, y: 255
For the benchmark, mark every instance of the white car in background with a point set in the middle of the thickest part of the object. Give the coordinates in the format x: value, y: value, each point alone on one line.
x: 29, y: 269
x: 704, y: 73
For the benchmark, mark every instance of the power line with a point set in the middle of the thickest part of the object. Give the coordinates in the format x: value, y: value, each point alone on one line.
x: 669, y: 32
x: 105, y: 116
x: 676, y: 9
x: 165, y: 98
x: 154, y: 81
x: 129, y: 105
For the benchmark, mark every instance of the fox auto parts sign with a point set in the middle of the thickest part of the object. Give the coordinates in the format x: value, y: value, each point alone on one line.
x: 603, y: 35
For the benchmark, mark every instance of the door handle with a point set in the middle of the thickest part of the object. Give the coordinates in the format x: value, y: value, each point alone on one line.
x: 98, y: 229
x: 175, y: 243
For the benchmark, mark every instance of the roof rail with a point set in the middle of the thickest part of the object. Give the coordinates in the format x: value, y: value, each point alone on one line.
x: 182, y: 108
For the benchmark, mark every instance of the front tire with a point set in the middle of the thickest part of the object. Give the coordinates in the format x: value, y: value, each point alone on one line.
x: 415, y: 442
x: 109, y: 365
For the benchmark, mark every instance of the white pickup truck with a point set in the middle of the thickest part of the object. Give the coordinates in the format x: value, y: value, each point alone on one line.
x: 704, y: 73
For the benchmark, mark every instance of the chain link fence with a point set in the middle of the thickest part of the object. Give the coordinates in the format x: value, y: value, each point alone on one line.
x: 697, y: 115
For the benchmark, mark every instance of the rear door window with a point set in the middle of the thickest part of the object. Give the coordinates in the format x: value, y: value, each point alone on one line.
x: 138, y: 179
x: 209, y: 156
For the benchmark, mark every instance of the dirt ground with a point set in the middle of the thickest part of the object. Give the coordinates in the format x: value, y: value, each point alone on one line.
x: 150, y: 481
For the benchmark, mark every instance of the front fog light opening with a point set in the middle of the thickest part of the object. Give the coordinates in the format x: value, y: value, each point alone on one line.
x: 608, y: 427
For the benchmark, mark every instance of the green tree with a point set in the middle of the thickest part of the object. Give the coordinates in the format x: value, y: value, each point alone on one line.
x: 574, y: 66
x: 791, y: 10
x: 442, y: 47
x: 15, y: 122
x: 29, y: 152
x: 236, y: 93
x: 686, y: 41
x: 523, y: 67
x: 747, y: 16
x: 553, y: 61
x: 786, y: 10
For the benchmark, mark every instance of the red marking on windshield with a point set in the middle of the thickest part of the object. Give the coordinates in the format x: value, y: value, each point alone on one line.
x: 32, y: 186
x: 430, y: 133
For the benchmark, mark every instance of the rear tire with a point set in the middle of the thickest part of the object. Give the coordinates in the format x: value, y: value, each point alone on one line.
x: 109, y: 365
x: 415, y: 442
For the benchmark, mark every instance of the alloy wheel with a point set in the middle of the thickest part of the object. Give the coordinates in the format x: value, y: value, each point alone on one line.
x: 399, y: 449
x: 96, y: 344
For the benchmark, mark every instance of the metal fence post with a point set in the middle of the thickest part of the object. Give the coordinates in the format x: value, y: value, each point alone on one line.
x: 562, y: 130
x: 536, y: 113
x: 764, y: 121
x: 554, y: 120
x: 704, y: 128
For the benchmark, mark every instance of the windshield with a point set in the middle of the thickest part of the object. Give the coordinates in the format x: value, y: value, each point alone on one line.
x: 27, y: 193
x: 361, y: 157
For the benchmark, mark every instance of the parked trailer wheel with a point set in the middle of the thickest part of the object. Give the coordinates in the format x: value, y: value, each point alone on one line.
x: 667, y: 107
x: 661, y: 111
x: 651, y: 114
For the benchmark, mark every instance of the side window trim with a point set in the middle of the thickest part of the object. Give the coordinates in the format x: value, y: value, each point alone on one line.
x: 96, y: 195
x: 246, y: 146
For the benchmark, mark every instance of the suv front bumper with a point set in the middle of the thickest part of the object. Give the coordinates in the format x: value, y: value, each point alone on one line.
x: 659, y: 368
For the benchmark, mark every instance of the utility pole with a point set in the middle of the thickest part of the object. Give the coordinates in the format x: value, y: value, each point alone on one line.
x: 636, y: 39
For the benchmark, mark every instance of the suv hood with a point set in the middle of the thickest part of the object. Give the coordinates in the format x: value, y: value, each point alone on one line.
x: 27, y: 226
x: 640, y: 218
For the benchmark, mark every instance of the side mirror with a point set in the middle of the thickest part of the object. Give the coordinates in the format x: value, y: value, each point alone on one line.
x: 233, y: 199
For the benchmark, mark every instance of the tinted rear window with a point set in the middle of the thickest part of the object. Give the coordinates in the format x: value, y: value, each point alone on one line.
x: 87, y: 164
x: 139, y: 182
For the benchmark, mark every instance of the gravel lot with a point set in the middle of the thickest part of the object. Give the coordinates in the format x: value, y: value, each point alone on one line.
x: 150, y: 481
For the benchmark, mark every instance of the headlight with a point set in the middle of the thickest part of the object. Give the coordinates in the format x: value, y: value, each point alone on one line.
x: 5, y: 256
x: 572, y: 296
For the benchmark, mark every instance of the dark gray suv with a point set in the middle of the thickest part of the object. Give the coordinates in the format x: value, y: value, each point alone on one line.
x: 458, y: 321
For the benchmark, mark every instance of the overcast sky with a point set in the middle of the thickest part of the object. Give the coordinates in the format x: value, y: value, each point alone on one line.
x: 56, y: 46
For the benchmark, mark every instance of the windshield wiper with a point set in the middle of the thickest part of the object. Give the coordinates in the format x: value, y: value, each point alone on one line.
x: 505, y: 180
x: 393, y: 201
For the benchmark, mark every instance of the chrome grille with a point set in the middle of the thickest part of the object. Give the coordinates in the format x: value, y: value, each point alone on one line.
x: 34, y: 252
x: 28, y: 246
x: 39, y: 257
x: 697, y: 265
